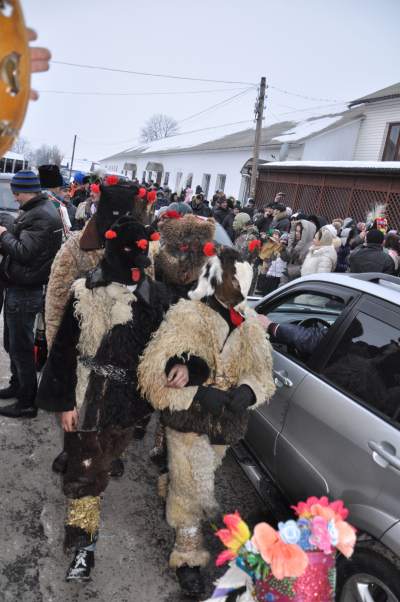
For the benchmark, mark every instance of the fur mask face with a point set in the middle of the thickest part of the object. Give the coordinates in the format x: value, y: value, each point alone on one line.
x: 126, y: 253
x: 115, y: 202
x: 227, y: 277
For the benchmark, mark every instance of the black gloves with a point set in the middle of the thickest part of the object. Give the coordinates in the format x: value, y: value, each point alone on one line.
x: 213, y: 400
x: 241, y: 399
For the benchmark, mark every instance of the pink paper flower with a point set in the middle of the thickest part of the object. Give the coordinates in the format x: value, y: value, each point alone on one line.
x: 320, y: 535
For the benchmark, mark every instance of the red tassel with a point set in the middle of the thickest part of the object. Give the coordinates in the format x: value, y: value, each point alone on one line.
x: 155, y: 236
x: 209, y: 249
x: 236, y: 318
x: 111, y: 180
x: 254, y: 244
x: 111, y: 234
x: 95, y: 188
x: 142, y: 192
x: 142, y: 244
x: 151, y: 196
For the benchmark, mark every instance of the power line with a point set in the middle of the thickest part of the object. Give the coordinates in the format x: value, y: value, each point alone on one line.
x: 135, y: 93
x: 307, y: 97
x: 195, y: 79
x: 217, y: 105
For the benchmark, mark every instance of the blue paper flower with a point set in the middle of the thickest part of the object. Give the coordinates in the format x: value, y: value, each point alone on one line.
x: 289, y: 531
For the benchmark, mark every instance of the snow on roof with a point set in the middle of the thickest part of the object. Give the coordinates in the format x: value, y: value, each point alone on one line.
x: 307, y: 127
x: 335, y: 165
x: 384, y: 94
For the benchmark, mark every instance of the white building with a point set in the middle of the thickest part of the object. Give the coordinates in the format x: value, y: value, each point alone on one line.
x: 368, y: 131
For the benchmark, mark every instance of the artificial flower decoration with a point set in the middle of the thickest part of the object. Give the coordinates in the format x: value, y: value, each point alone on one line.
x: 285, y: 559
x: 95, y: 188
x: 155, y: 236
x: 142, y: 192
x: 111, y: 180
x: 320, y: 536
x: 142, y: 244
x: 111, y: 234
x: 253, y: 244
x: 209, y: 249
x: 151, y: 196
x: 233, y: 537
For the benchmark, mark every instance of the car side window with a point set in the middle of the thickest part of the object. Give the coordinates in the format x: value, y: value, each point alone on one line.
x: 366, y: 364
x: 307, y: 309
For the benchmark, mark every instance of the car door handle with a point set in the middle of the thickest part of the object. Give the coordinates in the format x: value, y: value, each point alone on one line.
x: 386, y: 451
x: 281, y: 375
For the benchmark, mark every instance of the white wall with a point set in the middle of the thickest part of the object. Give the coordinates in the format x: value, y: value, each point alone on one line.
x: 336, y: 145
x: 374, y: 128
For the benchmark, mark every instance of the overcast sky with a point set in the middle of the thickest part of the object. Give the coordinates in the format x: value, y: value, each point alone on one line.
x: 335, y: 50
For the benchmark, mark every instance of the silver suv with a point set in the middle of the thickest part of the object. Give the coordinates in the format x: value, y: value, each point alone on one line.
x: 333, y: 426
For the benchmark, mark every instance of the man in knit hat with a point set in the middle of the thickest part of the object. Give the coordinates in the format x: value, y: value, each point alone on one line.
x: 28, y: 250
x: 371, y: 257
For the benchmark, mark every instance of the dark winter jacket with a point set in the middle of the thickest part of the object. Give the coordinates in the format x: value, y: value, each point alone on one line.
x: 280, y: 222
x: 371, y: 258
x: 342, y: 254
x: 220, y: 214
x: 201, y: 209
x: 264, y: 223
x: 80, y: 195
x: 299, y: 337
x: 161, y: 202
x: 228, y: 225
x: 30, y: 246
x: 71, y: 209
x: 249, y: 210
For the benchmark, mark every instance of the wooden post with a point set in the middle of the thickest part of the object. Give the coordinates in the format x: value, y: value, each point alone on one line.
x: 257, y: 140
x: 72, y: 158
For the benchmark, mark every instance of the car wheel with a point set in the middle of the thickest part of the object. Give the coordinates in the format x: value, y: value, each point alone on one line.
x: 370, y: 575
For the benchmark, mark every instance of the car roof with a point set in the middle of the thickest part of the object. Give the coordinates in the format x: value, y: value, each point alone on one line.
x: 379, y: 285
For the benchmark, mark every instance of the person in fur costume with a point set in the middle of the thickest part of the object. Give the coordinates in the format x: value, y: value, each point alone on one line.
x: 208, y: 363
x: 82, y: 253
x: 90, y: 376
x: 178, y: 266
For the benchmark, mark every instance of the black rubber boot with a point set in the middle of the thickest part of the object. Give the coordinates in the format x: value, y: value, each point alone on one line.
x: 81, y: 566
x: 117, y: 469
x: 8, y: 393
x: 190, y: 580
x: 60, y: 464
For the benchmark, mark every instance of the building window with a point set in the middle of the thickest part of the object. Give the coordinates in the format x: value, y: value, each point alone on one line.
x: 166, y: 178
x: 189, y: 181
x: 144, y: 177
x: 178, y: 180
x: 206, y: 184
x: 221, y: 179
x: 392, y: 146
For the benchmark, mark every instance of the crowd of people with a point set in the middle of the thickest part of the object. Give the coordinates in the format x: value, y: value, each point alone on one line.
x: 144, y: 311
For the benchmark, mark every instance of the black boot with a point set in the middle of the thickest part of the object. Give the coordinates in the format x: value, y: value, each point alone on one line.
x: 190, y: 579
x: 8, y: 393
x: 81, y: 566
x: 117, y: 469
x: 160, y: 460
x: 15, y: 410
x: 60, y: 463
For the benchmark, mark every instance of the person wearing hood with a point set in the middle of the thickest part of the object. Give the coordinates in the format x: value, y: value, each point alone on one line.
x: 322, y: 257
x: 90, y: 377
x: 371, y: 257
x: 300, y: 240
x: 161, y: 200
x: 199, y: 207
x: 347, y: 236
x: 281, y: 218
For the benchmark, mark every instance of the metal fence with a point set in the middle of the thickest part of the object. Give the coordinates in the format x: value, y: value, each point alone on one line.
x: 333, y: 195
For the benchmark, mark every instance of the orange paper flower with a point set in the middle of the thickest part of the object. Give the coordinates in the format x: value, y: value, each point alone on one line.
x: 285, y: 559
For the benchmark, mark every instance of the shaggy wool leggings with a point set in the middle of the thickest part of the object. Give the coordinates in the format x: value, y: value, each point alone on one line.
x: 90, y: 455
x: 189, y: 484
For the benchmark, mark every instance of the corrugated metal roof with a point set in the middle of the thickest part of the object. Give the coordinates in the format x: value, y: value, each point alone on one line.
x: 384, y: 94
x: 382, y: 166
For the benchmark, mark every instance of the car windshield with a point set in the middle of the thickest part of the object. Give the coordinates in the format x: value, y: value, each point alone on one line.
x: 6, y: 197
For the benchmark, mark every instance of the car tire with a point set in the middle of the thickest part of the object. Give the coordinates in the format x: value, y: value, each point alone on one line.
x: 372, y: 573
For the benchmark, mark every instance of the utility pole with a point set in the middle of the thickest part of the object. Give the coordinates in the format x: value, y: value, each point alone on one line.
x: 72, y: 160
x: 256, y: 154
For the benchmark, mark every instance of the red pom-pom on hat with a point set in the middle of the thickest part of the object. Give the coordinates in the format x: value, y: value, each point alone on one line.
x: 95, y: 188
x: 253, y: 245
x: 142, y: 192
x: 142, y: 244
x: 111, y: 180
x: 151, y: 196
x: 209, y: 249
x: 155, y: 236
x: 111, y: 234
x: 172, y: 214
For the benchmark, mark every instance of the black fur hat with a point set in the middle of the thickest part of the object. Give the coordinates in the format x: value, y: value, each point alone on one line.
x: 50, y: 176
x: 115, y: 202
x: 126, y: 252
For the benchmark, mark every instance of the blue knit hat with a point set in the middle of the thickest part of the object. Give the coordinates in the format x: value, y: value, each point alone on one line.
x: 25, y: 181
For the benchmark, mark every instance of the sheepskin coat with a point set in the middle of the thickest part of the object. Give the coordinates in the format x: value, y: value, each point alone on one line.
x: 93, y: 361
x: 184, y: 333
x: 319, y: 260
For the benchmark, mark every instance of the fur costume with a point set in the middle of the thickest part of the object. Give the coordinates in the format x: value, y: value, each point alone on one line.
x: 200, y: 334
x: 84, y: 251
x: 92, y: 366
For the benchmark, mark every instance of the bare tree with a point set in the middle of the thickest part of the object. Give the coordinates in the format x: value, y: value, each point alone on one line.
x: 157, y: 127
x: 49, y: 155
x: 57, y: 156
x: 22, y: 146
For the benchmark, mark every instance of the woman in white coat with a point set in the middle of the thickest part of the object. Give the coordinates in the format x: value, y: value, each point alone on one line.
x: 322, y: 257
